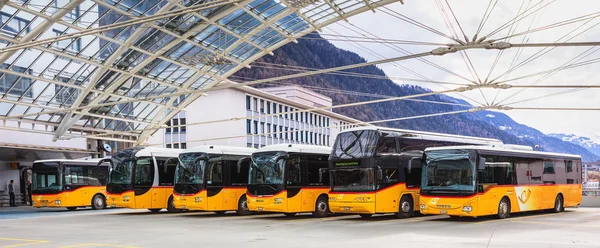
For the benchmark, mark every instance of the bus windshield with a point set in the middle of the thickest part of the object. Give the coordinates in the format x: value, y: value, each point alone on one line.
x: 121, y: 171
x: 449, y: 171
x: 47, y: 179
x: 355, y: 144
x: 360, y: 179
x: 267, y: 168
x: 190, y: 169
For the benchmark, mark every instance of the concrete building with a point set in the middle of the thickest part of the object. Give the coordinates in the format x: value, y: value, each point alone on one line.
x: 245, y: 116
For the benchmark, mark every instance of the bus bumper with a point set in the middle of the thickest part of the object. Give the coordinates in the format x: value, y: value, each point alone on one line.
x: 48, y: 201
x: 274, y: 203
x: 352, y: 203
x: 124, y: 200
x: 198, y: 201
x: 451, y: 207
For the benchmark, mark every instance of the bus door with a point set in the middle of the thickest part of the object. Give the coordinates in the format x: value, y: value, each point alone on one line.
x: 214, y: 184
x: 164, y: 176
x: 294, y: 181
x: 79, y: 195
x: 388, y: 175
x: 143, y: 178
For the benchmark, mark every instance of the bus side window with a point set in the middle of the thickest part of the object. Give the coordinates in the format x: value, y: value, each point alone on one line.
x: 571, y: 173
x: 294, y: 171
x: 239, y: 177
x: 215, y: 173
x: 387, y: 145
x: 166, y: 175
x: 560, y: 172
x: 498, y: 171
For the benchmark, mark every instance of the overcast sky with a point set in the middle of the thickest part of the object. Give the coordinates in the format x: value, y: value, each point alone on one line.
x: 469, y: 15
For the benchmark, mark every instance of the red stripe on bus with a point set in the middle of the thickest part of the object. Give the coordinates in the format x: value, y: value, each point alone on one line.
x: 498, y: 186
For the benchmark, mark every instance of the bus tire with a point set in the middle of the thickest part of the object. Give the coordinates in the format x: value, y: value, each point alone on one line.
x: 503, y: 208
x: 155, y: 210
x: 71, y: 208
x: 242, y: 208
x: 171, y: 207
x: 321, y: 207
x: 405, y: 208
x: 558, y: 204
x: 98, y: 202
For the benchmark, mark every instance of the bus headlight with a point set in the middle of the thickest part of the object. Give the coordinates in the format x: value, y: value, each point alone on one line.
x: 198, y: 199
x: 125, y: 198
x: 278, y: 200
x: 423, y: 206
x: 57, y: 202
x: 467, y: 209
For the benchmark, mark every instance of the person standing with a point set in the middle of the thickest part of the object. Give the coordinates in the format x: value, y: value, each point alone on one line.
x: 11, y: 193
x: 29, y: 193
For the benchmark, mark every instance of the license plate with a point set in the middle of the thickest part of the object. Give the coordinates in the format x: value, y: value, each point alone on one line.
x: 346, y: 208
x: 260, y: 209
x: 443, y: 212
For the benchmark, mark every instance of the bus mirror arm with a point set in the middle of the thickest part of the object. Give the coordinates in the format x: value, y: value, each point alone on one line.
x: 379, y: 174
x: 321, y: 172
x: 104, y: 160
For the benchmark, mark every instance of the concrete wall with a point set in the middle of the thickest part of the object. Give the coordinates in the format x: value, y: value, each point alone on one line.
x: 39, y: 139
x: 300, y: 95
x: 6, y: 174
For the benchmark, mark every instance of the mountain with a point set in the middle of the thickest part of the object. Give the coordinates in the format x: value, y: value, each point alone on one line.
x: 591, y: 144
x: 349, y: 88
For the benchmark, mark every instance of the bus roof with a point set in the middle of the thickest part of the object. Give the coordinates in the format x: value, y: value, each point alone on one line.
x: 296, y: 148
x: 93, y: 161
x: 430, y: 135
x: 506, y: 149
x: 158, y: 151
x: 215, y: 149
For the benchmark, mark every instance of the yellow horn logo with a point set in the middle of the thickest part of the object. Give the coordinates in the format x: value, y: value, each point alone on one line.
x: 524, y: 197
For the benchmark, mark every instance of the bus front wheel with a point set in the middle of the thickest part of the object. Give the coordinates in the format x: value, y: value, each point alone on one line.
x: 558, y: 204
x: 504, y: 208
x: 321, y: 207
x: 242, y: 208
x: 98, y: 202
x: 171, y: 206
x: 405, y: 209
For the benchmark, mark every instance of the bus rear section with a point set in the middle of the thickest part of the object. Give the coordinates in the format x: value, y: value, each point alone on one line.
x: 378, y: 170
x: 483, y: 181
x: 142, y: 178
x: 69, y: 184
x: 213, y: 178
x: 289, y: 179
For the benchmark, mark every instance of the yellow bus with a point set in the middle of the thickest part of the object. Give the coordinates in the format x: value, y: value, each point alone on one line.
x: 479, y: 181
x: 289, y: 179
x: 142, y: 178
x: 377, y: 170
x: 213, y: 178
x: 65, y: 183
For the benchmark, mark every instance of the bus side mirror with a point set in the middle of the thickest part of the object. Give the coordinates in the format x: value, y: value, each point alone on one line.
x: 321, y: 172
x: 379, y: 174
x: 481, y: 165
x: 169, y: 160
x: 239, y: 164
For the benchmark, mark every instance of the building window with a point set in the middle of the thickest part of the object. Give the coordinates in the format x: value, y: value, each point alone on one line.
x: 296, y: 117
x: 176, y: 145
x: 169, y: 146
x: 274, y: 108
x: 248, y: 128
x: 269, y: 130
x: 280, y: 132
x: 262, y: 105
x: 280, y: 110
x: 183, y: 146
x: 255, y: 104
x: 268, y: 107
x: 255, y: 127
x: 311, y: 119
x: 287, y: 137
x: 262, y: 128
x: 73, y: 45
x: 183, y: 128
x: 248, y: 103
x: 175, y: 123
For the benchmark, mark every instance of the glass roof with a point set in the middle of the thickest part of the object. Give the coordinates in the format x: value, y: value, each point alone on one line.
x: 128, y: 65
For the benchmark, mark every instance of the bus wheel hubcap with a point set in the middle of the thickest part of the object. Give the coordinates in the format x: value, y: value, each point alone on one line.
x: 503, y: 208
x: 405, y: 207
x: 322, y: 206
x: 98, y: 201
x: 244, y: 205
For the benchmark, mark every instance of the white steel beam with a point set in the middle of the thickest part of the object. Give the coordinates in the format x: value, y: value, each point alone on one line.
x: 337, y: 9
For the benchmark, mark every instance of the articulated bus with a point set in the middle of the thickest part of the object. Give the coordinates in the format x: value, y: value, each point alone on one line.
x: 479, y: 181
x: 289, y: 179
x: 377, y: 170
x: 65, y: 183
x: 213, y: 178
x: 142, y: 178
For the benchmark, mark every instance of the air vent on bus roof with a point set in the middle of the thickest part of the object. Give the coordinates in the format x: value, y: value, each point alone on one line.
x: 518, y: 147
